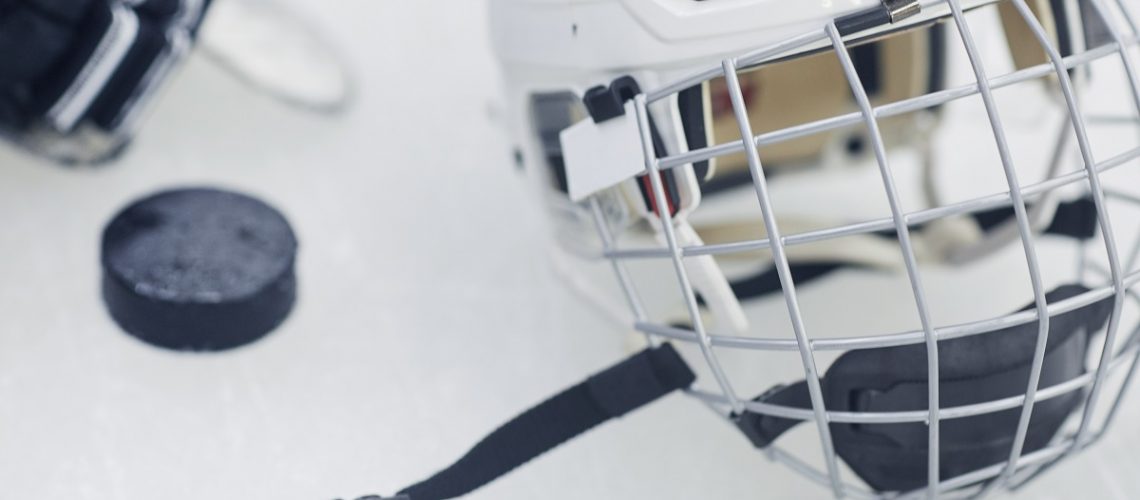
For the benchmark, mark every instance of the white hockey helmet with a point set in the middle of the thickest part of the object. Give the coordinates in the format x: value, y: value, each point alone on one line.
x: 988, y: 130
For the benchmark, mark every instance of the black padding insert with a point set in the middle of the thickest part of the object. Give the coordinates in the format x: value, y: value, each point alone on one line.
x: 1064, y: 35
x: 199, y: 269
x: 937, y: 75
x: 1075, y: 219
x: 768, y: 281
x: 974, y: 369
x: 762, y: 430
x: 867, y: 59
x: 691, y: 107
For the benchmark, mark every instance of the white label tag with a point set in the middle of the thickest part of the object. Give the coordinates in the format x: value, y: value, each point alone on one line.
x: 599, y: 156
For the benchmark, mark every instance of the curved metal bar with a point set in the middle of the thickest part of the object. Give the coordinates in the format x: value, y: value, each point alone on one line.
x: 914, y: 275
x: 669, y: 232
x: 775, y: 453
x: 904, y: 106
x: 784, y: 271
x: 1121, y: 358
x: 632, y: 298
x: 883, y: 224
x: 1038, y: 457
x: 1098, y: 196
x: 894, y: 339
x: 1026, y: 236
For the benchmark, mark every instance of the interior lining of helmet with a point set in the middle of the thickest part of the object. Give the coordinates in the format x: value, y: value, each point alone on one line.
x: 551, y: 113
x: 779, y: 96
x: 893, y: 67
x: 1023, y: 47
x: 696, y: 113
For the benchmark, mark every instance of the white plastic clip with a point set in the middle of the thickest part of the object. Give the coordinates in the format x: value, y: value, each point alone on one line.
x: 601, y: 155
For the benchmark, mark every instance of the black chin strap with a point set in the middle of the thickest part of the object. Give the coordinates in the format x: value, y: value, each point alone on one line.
x: 620, y: 389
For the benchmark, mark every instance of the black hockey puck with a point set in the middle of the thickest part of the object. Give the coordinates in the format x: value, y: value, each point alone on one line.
x: 199, y: 269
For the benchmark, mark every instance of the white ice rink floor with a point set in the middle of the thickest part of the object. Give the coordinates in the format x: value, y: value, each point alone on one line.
x: 428, y: 309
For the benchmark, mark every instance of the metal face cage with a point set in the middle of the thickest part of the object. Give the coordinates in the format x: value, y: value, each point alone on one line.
x: 1114, y: 283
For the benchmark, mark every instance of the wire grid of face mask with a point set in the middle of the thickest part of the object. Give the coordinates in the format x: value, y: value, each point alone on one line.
x: 1117, y: 281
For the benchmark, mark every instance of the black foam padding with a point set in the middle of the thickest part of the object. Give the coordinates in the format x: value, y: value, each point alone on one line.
x: 691, y: 107
x: 199, y: 269
x: 973, y: 369
x: 868, y: 61
x: 763, y: 430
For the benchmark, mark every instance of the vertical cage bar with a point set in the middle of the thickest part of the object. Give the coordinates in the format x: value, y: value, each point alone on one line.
x: 1134, y: 82
x: 1130, y: 263
x: 654, y: 172
x: 1128, y: 378
x: 1128, y: 18
x: 605, y: 233
x: 1105, y: 222
x: 783, y: 270
x: 1122, y: 47
x: 1027, y: 242
x: 908, y: 254
x: 1129, y: 344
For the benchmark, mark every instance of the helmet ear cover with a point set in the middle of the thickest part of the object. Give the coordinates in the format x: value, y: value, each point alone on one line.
x: 973, y: 370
